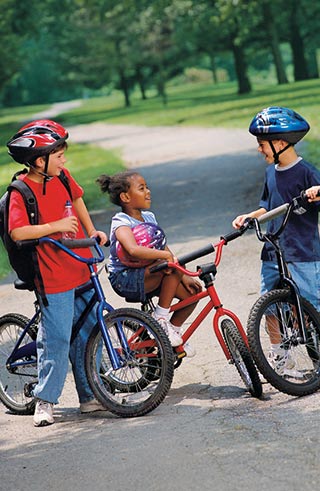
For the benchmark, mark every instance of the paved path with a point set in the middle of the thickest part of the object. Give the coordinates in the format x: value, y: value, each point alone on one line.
x: 208, y: 433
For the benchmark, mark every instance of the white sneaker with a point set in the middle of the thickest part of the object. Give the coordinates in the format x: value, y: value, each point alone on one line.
x: 174, y: 338
x: 188, y: 348
x: 91, y: 406
x: 43, y: 414
x: 280, y: 360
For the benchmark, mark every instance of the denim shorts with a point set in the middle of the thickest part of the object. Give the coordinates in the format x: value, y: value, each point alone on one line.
x: 129, y: 283
x: 305, y: 274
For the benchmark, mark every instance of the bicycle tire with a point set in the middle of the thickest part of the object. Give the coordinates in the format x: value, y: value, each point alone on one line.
x: 299, y: 372
x: 241, y: 358
x: 149, y: 342
x: 149, y: 371
x: 13, y: 384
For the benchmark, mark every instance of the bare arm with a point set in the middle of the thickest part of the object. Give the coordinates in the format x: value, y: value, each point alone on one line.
x: 68, y: 224
x: 126, y: 238
x: 86, y: 221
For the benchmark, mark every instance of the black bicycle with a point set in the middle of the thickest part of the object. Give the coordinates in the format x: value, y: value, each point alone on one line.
x: 129, y: 359
x: 283, y: 313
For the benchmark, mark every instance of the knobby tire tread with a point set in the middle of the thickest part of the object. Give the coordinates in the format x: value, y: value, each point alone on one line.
x: 167, y: 367
x: 253, y: 333
x: 229, y: 329
x: 20, y: 321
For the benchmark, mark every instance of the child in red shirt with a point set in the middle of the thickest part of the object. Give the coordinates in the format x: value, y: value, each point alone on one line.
x: 41, y: 146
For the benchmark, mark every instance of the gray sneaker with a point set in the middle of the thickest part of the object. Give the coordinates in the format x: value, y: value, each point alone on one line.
x: 43, y: 414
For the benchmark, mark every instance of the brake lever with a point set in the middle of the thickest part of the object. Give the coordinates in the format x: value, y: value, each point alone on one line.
x: 298, y: 202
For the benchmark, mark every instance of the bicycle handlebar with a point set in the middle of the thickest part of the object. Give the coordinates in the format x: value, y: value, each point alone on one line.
x: 67, y: 245
x: 186, y: 258
x: 276, y: 212
x: 297, y: 205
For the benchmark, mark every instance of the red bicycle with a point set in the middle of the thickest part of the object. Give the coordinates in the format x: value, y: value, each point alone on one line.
x: 226, y: 325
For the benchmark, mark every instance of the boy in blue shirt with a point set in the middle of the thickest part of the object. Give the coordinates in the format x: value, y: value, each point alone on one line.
x: 277, y: 130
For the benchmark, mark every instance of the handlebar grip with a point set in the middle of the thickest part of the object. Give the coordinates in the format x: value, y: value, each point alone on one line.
x: 203, y: 251
x: 159, y: 267
x: 78, y: 243
x: 27, y: 243
x: 232, y: 235
x: 276, y: 212
x: 186, y: 258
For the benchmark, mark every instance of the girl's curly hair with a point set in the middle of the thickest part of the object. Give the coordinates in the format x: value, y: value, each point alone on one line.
x: 115, y: 185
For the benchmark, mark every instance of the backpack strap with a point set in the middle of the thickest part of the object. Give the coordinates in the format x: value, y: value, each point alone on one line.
x: 65, y: 181
x: 33, y: 214
x: 28, y: 198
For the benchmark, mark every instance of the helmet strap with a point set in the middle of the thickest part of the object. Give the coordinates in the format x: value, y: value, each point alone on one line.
x: 45, y: 172
x: 276, y: 154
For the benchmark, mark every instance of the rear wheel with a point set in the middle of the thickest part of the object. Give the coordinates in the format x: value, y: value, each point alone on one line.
x: 241, y: 357
x: 295, y: 368
x: 19, y: 375
x: 145, y: 377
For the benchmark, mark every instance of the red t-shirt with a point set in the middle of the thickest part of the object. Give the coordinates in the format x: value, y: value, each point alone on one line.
x: 59, y: 271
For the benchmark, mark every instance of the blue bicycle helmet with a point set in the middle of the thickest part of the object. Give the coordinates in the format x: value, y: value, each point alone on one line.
x: 279, y: 123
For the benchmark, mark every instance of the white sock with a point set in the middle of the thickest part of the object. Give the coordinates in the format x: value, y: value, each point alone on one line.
x: 161, y: 312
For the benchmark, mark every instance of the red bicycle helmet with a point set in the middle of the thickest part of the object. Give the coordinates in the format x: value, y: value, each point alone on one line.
x: 146, y: 235
x: 36, y: 139
x: 43, y: 126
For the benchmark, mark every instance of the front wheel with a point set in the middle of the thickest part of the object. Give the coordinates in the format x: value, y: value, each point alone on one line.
x: 17, y: 377
x: 294, y: 367
x: 145, y: 377
x: 241, y: 357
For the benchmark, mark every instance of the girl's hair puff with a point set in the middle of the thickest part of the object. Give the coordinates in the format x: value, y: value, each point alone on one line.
x: 115, y: 185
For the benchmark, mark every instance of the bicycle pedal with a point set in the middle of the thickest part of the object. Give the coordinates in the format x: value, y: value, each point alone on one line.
x: 28, y: 388
x: 182, y: 354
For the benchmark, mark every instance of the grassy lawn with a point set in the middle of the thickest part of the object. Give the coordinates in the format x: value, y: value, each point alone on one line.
x: 206, y: 105
x: 198, y: 104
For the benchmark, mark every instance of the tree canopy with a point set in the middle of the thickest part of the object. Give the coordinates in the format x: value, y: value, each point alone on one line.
x: 52, y: 51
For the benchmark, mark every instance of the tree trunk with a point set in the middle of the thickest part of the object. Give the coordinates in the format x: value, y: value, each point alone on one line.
x: 244, y: 85
x: 300, y: 67
x: 274, y: 43
x: 213, y: 68
x: 140, y: 80
x: 124, y: 87
x: 312, y: 59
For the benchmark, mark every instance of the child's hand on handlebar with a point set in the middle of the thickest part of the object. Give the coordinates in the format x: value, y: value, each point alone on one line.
x: 239, y: 220
x: 101, y: 235
x: 313, y: 193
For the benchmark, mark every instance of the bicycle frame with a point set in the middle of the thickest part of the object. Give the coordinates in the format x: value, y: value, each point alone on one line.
x: 207, y: 274
x: 98, y: 297
x: 295, y: 206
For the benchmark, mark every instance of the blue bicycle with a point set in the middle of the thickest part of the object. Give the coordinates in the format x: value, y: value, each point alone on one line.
x: 129, y: 359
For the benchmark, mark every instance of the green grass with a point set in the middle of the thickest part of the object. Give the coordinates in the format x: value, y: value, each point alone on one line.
x: 197, y: 104
x: 207, y: 105
x: 201, y: 105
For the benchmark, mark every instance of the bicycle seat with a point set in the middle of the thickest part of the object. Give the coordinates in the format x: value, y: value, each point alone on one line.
x: 22, y: 285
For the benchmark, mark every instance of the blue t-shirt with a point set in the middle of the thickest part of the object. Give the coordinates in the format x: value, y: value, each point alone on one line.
x: 300, y: 238
x: 122, y: 219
